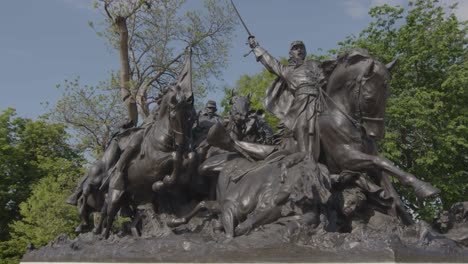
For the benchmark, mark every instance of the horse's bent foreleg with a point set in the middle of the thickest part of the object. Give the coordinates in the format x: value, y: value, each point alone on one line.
x: 170, y: 179
x: 190, y: 166
x: 211, y: 206
x: 177, y: 158
x: 361, y: 161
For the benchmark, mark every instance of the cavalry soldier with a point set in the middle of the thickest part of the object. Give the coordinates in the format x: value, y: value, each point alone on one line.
x: 208, y: 116
x: 302, y: 81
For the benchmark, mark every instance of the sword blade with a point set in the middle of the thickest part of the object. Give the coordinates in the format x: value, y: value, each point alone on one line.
x: 240, y: 18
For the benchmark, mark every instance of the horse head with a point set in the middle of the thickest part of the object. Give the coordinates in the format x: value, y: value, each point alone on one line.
x: 240, y: 109
x: 177, y: 106
x: 360, y: 86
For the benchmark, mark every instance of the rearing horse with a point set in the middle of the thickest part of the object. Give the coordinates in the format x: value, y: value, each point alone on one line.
x: 155, y: 157
x: 357, y: 91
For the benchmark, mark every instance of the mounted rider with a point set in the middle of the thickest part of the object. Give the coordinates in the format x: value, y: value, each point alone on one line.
x: 295, y: 97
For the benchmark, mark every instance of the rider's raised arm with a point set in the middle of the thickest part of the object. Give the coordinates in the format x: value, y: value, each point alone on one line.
x: 270, y: 62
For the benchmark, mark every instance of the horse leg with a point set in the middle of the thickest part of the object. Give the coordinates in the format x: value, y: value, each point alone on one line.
x: 100, y: 223
x: 228, y: 218
x: 258, y: 218
x: 177, y: 158
x: 170, y: 179
x: 190, y: 167
x: 361, y: 161
x: 113, y: 206
x: 398, y: 209
x: 84, y: 214
x: 211, y: 206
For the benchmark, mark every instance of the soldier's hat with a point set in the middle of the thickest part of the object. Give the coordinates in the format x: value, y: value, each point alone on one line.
x: 297, y: 43
x: 211, y: 104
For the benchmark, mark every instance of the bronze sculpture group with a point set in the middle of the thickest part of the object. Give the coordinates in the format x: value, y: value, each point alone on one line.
x: 319, y: 169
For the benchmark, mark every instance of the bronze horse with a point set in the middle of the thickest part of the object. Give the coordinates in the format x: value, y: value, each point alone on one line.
x: 156, y: 156
x: 357, y: 92
x: 356, y: 97
x: 90, y: 194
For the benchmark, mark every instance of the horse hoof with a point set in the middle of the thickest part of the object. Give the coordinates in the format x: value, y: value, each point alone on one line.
x: 426, y: 190
x: 157, y: 186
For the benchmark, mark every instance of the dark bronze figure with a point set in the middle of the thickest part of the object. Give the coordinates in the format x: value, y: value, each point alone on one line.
x: 303, y: 80
x: 90, y: 194
x: 454, y: 223
x: 355, y: 102
x: 356, y: 98
x: 247, y: 193
x: 318, y: 177
x: 205, y: 120
x: 157, y: 160
x: 257, y: 130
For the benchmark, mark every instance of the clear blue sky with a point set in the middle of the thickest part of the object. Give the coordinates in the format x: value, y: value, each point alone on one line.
x: 45, y: 42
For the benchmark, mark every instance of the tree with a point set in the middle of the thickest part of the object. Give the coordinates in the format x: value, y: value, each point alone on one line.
x: 44, y: 215
x: 29, y: 151
x: 93, y: 112
x: 151, y: 37
x: 427, y: 114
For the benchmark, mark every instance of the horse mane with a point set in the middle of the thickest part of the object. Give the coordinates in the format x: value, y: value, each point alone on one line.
x: 354, y: 55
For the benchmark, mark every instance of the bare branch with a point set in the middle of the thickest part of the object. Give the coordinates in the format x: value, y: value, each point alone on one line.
x: 106, y: 8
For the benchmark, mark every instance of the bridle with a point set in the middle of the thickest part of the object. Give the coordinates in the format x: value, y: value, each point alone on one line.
x: 361, y: 80
x: 172, y: 131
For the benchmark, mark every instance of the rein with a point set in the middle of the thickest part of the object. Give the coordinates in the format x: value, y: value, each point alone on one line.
x: 169, y: 133
x: 354, y: 122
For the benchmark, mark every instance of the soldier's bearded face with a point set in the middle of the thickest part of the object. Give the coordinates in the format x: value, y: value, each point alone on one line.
x: 298, y: 53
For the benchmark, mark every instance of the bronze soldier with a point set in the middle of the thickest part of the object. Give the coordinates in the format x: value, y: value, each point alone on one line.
x: 207, y: 118
x: 304, y: 79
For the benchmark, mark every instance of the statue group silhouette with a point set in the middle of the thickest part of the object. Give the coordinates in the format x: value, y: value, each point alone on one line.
x: 321, y: 168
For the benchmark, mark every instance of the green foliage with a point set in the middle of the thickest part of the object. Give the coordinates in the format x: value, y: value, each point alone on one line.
x: 44, y: 214
x: 31, y: 153
x: 427, y: 114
